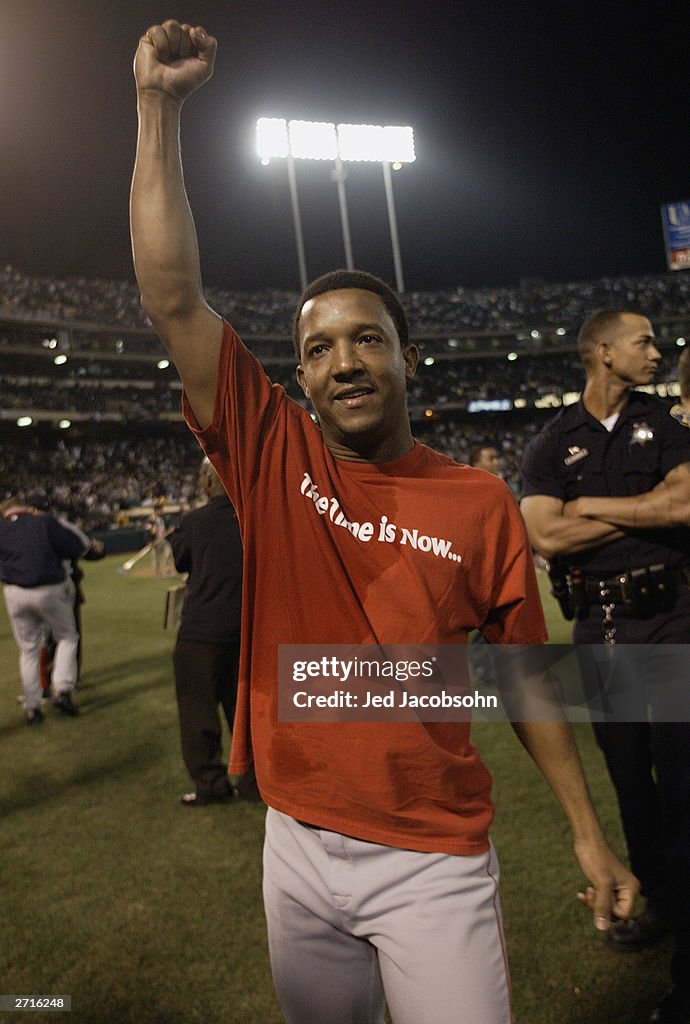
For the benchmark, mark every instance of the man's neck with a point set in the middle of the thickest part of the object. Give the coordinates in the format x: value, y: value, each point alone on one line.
x: 389, y: 451
x: 604, y: 398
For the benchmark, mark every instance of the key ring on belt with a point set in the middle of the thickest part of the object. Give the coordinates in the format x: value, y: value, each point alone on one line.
x: 607, y: 624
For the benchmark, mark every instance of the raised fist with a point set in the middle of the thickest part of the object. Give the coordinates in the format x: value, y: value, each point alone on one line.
x: 174, y: 59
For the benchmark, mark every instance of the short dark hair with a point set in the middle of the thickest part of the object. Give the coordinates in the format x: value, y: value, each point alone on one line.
x: 337, y: 279
x: 476, y: 452
x: 595, y: 326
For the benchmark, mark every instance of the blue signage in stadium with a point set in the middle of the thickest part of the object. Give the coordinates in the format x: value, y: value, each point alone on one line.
x: 675, y: 218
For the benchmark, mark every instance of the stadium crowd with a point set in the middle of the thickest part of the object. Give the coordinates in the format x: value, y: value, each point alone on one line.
x: 137, y: 392
x: 112, y: 382
x: 94, y: 482
x: 116, y: 303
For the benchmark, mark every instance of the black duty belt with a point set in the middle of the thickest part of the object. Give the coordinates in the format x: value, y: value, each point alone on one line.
x: 637, y: 593
x: 633, y: 586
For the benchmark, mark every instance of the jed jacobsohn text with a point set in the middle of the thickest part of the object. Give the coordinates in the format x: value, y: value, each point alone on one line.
x: 393, y: 699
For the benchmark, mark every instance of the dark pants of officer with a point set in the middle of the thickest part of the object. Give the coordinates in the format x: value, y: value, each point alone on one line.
x: 646, y: 745
x: 205, y: 678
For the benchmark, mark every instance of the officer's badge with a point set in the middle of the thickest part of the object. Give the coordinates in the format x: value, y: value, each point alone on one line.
x: 641, y: 433
x: 575, y: 454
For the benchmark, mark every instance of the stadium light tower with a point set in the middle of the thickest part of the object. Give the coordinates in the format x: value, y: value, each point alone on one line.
x: 272, y: 142
x: 391, y: 146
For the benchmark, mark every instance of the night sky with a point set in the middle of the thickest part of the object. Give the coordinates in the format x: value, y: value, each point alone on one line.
x: 547, y: 136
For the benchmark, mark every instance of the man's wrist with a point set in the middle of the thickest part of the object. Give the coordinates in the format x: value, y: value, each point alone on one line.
x: 589, y: 832
x: 151, y: 99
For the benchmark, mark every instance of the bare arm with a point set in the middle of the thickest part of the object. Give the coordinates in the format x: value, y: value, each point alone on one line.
x: 613, y: 888
x: 667, y: 505
x: 552, y: 532
x: 172, y: 61
x: 537, y: 717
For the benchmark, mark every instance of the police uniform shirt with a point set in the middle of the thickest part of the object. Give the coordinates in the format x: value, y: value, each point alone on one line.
x: 575, y: 456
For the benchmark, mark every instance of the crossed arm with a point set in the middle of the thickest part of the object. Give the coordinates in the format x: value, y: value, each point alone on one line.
x: 564, y: 528
x: 667, y: 505
x: 554, y: 530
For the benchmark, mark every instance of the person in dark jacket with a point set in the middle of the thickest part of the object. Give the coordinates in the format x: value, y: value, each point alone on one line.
x: 207, y: 546
x: 33, y: 549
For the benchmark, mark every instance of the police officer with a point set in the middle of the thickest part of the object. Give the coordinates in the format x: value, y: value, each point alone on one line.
x: 606, y: 499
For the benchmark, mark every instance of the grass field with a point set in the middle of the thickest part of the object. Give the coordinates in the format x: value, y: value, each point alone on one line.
x: 145, y: 911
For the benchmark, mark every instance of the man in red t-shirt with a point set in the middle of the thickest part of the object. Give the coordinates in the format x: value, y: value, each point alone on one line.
x: 380, y: 879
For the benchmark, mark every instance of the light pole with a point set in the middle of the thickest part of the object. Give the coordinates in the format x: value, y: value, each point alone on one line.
x: 297, y: 221
x: 272, y: 142
x: 339, y: 177
x: 391, y: 146
x: 393, y: 224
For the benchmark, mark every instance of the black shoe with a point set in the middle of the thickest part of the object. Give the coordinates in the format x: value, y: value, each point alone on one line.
x: 65, y: 704
x: 204, y: 799
x: 638, y: 932
x: 674, y: 1008
x: 34, y: 717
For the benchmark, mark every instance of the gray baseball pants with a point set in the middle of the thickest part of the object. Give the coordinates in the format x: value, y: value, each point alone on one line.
x: 354, y: 925
x: 33, y: 611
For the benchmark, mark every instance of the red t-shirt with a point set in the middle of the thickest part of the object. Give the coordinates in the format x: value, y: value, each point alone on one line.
x: 308, y: 580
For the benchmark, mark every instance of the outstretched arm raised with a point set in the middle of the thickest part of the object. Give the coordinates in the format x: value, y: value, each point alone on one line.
x: 171, y: 62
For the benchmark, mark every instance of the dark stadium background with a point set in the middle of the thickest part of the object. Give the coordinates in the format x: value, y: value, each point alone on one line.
x: 547, y: 137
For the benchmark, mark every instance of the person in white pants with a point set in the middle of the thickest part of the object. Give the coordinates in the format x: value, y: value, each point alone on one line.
x: 33, y: 548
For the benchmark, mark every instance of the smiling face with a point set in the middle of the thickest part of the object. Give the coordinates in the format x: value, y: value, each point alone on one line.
x: 354, y: 371
x: 629, y: 351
